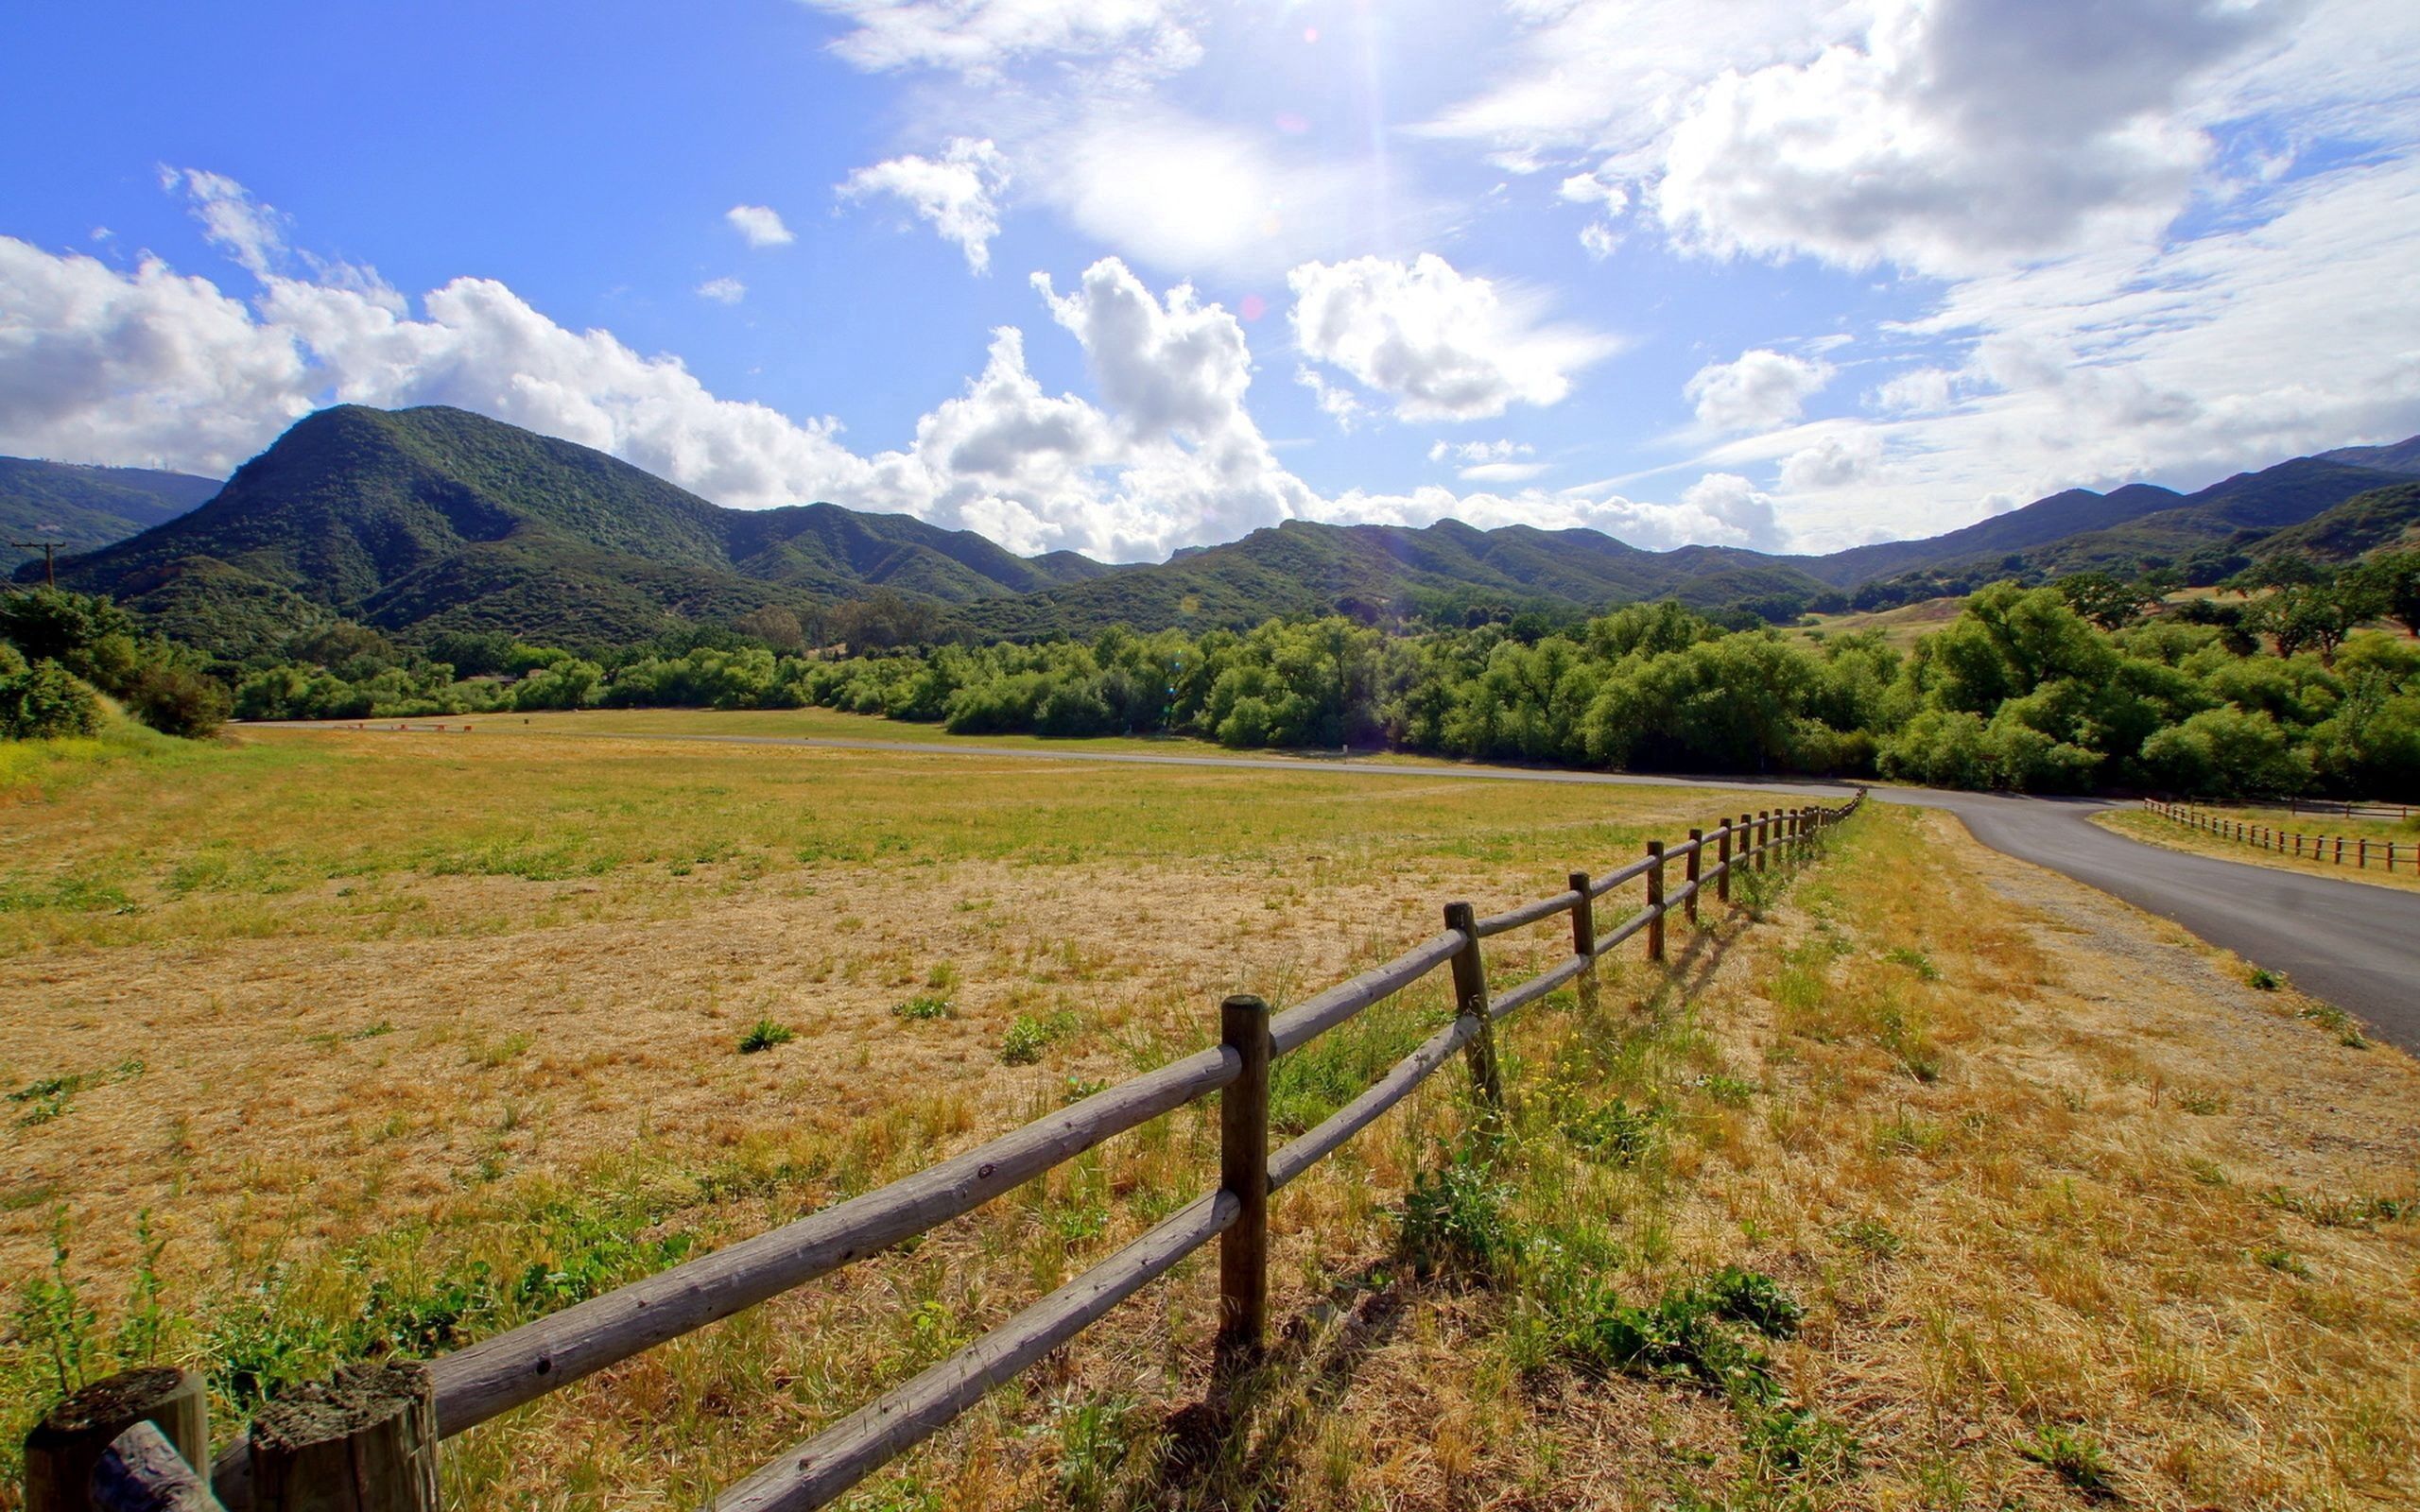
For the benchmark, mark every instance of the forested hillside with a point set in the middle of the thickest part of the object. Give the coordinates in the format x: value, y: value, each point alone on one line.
x: 86, y: 508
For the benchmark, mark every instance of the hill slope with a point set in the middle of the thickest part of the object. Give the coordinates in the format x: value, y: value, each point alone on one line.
x: 437, y: 518
x: 86, y: 508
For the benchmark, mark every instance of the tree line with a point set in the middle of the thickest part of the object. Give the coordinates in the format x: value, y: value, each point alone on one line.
x: 2091, y: 682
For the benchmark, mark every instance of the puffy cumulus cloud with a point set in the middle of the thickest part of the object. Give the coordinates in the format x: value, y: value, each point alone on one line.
x: 1335, y: 400
x: 1957, y: 133
x: 1441, y: 344
x: 1918, y: 392
x: 955, y: 192
x: 723, y: 290
x: 759, y: 226
x: 981, y: 37
x: 1174, y: 371
x: 145, y: 368
x: 1756, y: 391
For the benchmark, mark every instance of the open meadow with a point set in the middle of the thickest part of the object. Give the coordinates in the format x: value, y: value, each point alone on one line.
x: 1925, y: 1178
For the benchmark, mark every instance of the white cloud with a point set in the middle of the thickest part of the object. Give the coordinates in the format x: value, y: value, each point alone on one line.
x: 146, y: 368
x: 1757, y: 391
x: 759, y: 226
x: 1501, y: 471
x: 1480, y: 451
x: 980, y: 36
x: 1442, y: 344
x: 724, y: 290
x: 1834, y: 461
x: 250, y: 232
x: 955, y: 192
x: 1918, y: 392
x: 1336, y: 401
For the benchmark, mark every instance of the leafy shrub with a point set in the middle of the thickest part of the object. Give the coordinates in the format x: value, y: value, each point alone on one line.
x: 764, y: 1034
x: 1458, y: 1218
x: 1024, y: 1042
x: 927, y: 1006
x: 44, y: 703
x: 179, y: 701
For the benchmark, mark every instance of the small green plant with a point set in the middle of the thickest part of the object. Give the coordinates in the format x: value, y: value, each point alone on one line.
x: 927, y: 1006
x: 2265, y: 980
x: 46, y: 1099
x: 1871, y: 1235
x: 2328, y: 1016
x: 1458, y: 1218
x: 1729, y: 1090
x: 941, y: 977
x: 1024, y: 1042
x: 2070, y: 1453
x: 2202, y: 1104
x: 1914, y: 960
x: 1080, y: 1088
x: 1615, y: 1132
x: 2278, y: 1258
x: 764, y: 1034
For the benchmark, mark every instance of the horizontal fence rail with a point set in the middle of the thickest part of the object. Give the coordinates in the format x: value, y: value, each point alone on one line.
x: 2355, y: 851
x: 404, y: 1408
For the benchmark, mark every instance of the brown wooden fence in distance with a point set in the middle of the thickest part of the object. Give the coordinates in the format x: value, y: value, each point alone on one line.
x: 2358, y: 851
x: 368, y: 1439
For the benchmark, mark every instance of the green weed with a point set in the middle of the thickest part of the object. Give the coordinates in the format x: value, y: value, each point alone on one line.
x: 764, y: 1034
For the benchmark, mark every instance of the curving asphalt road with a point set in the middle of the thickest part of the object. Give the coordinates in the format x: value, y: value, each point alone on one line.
x: 2353, y: 944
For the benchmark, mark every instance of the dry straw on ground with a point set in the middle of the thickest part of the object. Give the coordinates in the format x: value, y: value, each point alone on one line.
x: 2064, y: 1198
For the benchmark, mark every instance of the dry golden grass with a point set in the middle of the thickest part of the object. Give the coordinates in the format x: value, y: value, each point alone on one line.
x: 2151, y: 827
x: 2033, y: 1163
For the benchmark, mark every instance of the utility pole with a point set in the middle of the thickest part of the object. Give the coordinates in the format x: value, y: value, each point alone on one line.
x: 49, y: 550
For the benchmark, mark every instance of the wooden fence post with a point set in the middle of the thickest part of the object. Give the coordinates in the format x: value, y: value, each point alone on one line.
x: 1655, y: 900
x: 1695, y: 870
x: 1243, y: 1168
x: 63, y: 1448
x: 1764, y: 831
x: 364, y: 1441
x: 2363, y: 853
x: 1584, y: 939
x: 1470, y: 996
x: 1722, y: 860
x: 141, y: 1472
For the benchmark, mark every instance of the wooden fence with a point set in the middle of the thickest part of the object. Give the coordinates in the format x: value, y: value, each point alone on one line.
x: 368, y: 1439
x: 2358, y: 850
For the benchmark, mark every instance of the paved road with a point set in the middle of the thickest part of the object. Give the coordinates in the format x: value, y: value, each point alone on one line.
x: 2354, y: 945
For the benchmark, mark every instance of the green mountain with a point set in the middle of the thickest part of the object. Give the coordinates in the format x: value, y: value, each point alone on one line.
x: 425, y: 520
x: 2403, y: 457
x: 431, y: 519
x: 2034, y: 525
x: 2207, y: 534
x: 86, y: 508
x: 1303, y: 568
x: 2382, y: 517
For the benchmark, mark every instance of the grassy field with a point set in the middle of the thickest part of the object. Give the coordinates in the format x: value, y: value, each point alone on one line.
x: 1937, y: 1187
x: 1901, y: 627
x: 2405, y: 835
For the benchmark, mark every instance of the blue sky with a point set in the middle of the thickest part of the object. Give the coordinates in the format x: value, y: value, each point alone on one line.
x: 1129, y: 275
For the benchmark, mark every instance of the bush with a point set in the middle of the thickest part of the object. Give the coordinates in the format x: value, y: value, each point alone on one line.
x: 44, y: 702
x: 177, y: 701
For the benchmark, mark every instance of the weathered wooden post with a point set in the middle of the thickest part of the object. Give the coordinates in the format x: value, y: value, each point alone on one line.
x: 1584, y: 939
x: 62, y: 1450
x: 363, y: 1441
x: 1470, y: 996
x: 1722, y: 862
x: 1694, y: 871
x: 1243, y: 1170
x: 2361, y: 854
x: 1655, y: 900
x: 1764, y: 829
x: 141, y: 1472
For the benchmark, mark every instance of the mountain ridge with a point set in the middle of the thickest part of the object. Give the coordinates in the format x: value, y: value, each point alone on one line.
x: 431, y: 519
